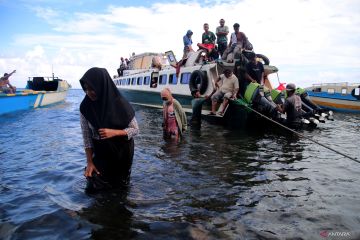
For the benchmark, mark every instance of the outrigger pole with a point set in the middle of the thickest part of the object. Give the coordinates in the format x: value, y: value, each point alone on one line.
x: 301, y: 135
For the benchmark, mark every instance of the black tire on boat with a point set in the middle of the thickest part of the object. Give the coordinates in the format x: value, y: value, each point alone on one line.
x: 264, y: 58
x: 198, y: 80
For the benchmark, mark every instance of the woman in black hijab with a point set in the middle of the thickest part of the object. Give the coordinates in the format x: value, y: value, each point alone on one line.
x: 108, y: 126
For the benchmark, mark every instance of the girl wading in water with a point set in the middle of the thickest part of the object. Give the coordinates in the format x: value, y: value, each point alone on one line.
x: 108, y: 126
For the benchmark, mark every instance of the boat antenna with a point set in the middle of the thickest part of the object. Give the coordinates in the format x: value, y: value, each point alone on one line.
x: 52, y: 70
x: 301, y: 135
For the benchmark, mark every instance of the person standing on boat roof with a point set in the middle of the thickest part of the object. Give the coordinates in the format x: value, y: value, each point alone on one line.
x: 187, y: 43
x: 238, y: 42
x: 254, y: 70
x: 5, y: 85
x: 292, y: 107
x: 174, y: 117
x: 221, y: 32
x: 108, y: 126
x: 228, y: 90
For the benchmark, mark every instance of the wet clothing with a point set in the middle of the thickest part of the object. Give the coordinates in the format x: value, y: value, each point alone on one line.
x: 113, y: 156
x: 180, y: 116
x: 89, y: 132
x: 292, y: 108
x: 255, y: 70
x: 171, y: 127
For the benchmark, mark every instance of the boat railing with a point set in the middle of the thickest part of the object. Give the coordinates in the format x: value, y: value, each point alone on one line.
x: 340, y: 84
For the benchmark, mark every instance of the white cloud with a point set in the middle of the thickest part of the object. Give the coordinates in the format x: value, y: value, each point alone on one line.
x: 309, y: 41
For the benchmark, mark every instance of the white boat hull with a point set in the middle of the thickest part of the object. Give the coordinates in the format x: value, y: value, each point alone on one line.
x: 52, y: 97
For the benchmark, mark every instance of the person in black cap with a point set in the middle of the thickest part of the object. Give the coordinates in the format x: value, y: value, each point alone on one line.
x: 292, y: 107
x: 108, y: 126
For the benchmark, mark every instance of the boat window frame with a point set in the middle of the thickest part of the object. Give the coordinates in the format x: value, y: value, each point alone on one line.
x: 133, y: 81
x: 171, y: 78
x: 343, y: 92
x: 128, y: 81
x: 148, y: 80
x: 182, y: 77
x: 140, y: 80
x: 161, y: 79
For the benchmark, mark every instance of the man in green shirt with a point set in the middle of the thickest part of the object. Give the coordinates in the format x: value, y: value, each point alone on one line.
x: 208, y: 39
x: 221, y: 32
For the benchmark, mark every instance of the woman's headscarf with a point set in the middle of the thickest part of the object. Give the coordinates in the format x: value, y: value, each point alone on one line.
x: 111, y: 109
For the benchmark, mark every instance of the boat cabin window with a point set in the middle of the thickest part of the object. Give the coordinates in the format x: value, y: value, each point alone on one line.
x: 147, y: 80
x: 133, y: 81
x: 317, y: 89
x: 173, y: 79
x: 357, y: 91
x: 128, y: 81
x: 163, y: 79
x: 139, y: 80
x: 185, y: 78
x: 343, y: 91
x: 331, y: 91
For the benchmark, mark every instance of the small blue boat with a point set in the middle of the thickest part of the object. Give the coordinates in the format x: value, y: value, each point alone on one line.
x: 38, y: 93
x: 343, y: 97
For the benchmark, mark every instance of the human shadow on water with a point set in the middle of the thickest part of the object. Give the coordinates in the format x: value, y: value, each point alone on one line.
x: 110, y: 215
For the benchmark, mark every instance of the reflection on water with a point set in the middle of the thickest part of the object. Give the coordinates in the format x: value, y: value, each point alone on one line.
x: 215, y: 184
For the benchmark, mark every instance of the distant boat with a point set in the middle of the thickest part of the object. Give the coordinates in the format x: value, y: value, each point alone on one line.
x: 39, y: 92
x: 344, y: 97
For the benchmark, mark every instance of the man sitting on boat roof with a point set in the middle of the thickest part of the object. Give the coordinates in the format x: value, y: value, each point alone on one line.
x: 187, y: 43
x: 228, y: 90
x: 5, y: 85
x: 238, y: 42
x: 208, y: 40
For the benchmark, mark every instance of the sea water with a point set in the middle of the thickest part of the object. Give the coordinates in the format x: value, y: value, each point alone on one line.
x: 217, y: 183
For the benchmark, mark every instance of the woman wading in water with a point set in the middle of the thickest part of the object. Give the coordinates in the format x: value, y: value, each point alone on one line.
x: 108, y: 126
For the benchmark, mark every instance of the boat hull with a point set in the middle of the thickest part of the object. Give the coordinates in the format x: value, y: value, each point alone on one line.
x: 11, y: 103
x: 28, y: 100
x: 341, y: 103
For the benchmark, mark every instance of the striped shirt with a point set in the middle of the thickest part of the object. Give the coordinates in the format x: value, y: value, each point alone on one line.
x: 90, y: 133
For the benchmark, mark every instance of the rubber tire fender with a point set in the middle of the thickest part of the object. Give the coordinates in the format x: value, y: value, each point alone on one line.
x: 264, y: 58
x: 198, y: 77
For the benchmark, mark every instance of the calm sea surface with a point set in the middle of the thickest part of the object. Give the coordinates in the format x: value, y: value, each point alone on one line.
x: 215, y: 184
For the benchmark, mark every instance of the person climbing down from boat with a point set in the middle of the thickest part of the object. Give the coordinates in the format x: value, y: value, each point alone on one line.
x: 221, y: 32
x: 5, y: 85
x: 292, y: 107
x: 187, y: 44
x: 208, y: 40
x: 108, y: 126
x: 228, y: 90
x: 197, y: 103
x: 254, y: 70
x: 238, y: 42
x: 174, y: 117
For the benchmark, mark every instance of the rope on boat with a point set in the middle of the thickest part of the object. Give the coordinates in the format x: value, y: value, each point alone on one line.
x: 301, y: 135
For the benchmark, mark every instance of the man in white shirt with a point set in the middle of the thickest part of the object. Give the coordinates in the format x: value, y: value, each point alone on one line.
x: 227, y: 90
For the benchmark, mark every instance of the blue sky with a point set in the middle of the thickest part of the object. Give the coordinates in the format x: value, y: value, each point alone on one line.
x: 309, y: 41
